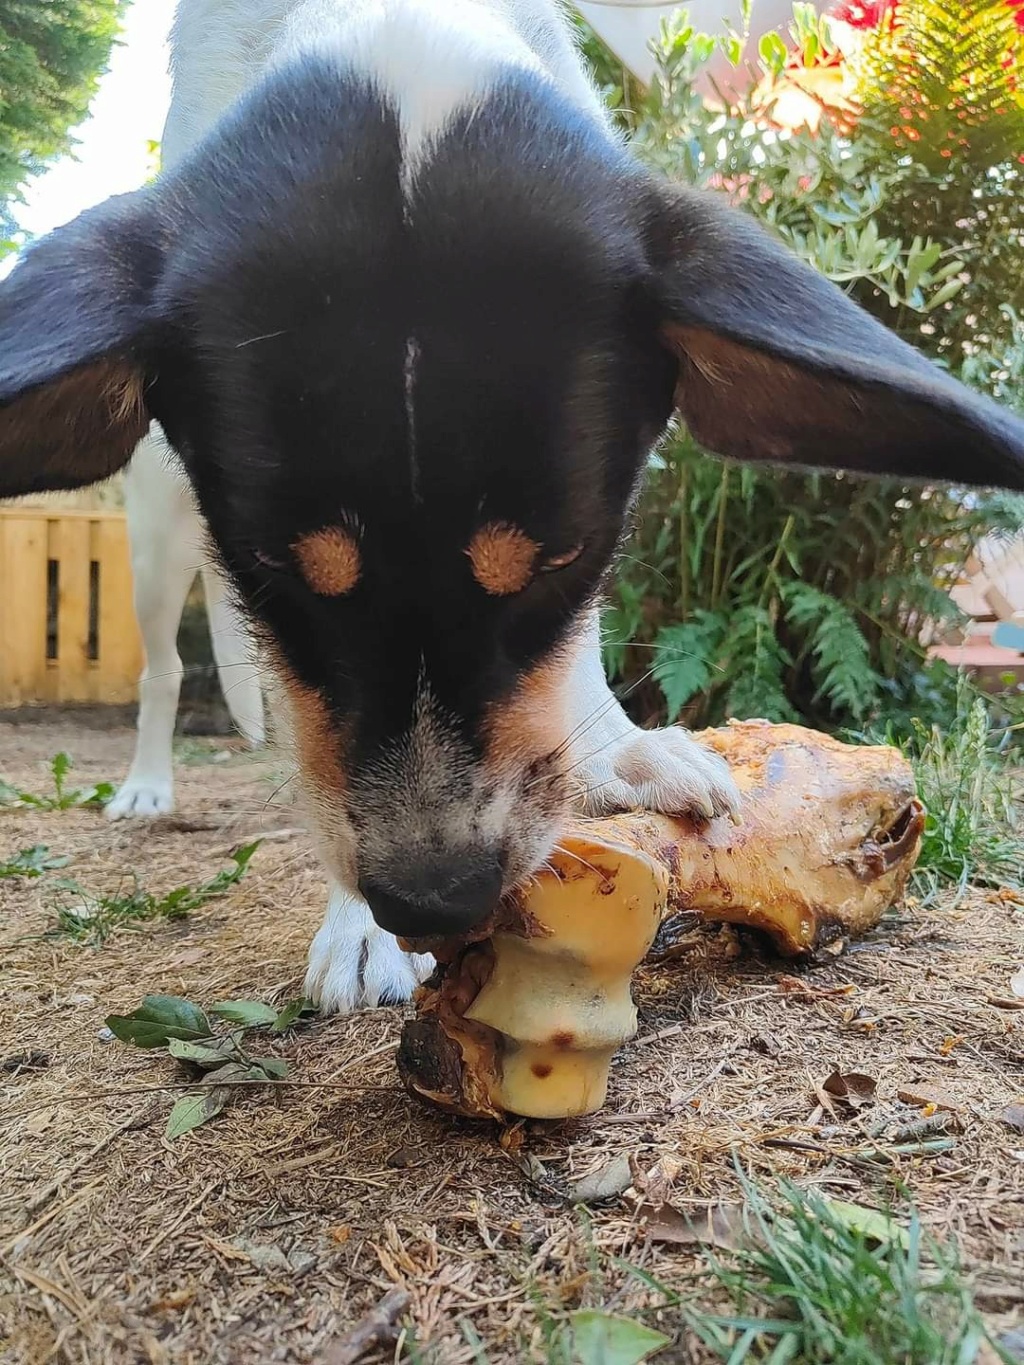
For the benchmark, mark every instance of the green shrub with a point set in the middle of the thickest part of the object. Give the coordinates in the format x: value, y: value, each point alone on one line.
x: 775, y: 593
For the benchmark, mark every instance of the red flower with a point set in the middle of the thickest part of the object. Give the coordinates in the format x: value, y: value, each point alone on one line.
x: 866, y: 14
x: 1018, y: 12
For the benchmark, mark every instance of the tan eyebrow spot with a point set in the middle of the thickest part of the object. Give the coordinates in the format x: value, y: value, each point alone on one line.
x: 329, y: 560
x: 502, y: 557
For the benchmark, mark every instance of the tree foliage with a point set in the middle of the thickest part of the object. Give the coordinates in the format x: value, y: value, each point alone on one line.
x: 52, y: 53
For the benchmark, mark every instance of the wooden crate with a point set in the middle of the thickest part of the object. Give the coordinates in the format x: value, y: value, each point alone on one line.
x: 67, y: 624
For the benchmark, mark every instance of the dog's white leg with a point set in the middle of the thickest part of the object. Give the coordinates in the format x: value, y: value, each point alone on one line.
x: 353, y: 963
x: 166, y: 536
x: 235, y: 653
x: 625, y: 768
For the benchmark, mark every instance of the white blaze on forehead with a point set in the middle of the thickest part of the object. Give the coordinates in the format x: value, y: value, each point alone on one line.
x: 431, y: 59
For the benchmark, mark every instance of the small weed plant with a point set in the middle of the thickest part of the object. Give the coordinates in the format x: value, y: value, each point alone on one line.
x: 89, y: 918
x: 32, y: 862
x: 63, y: 797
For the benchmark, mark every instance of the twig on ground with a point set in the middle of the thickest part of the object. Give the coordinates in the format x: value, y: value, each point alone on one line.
x: 378, y: 1326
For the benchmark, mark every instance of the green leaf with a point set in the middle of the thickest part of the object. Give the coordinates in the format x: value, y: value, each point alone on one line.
x: 292, y: 1012
x: 193, y: 1110
x: 60, y: 767
x: 159, y: 1019
x: 208, y: 1054
x: 247, y: 1013
x: 685, y: 659
x: 597, y: 1338
x: 32, y: 862
x: 275, y: 1067
x: 870, y: 1223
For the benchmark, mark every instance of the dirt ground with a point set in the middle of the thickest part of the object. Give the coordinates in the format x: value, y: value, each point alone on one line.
x: 267, y: 1234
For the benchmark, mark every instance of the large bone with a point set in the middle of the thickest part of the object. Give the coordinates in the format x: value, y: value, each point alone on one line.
x: 526, y: 1020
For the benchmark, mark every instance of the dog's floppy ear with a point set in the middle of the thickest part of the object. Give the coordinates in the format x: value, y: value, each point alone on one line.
x: 776, y: 363
x: 75, y: 323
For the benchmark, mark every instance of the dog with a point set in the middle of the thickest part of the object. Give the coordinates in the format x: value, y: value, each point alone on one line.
x: 412, y: 318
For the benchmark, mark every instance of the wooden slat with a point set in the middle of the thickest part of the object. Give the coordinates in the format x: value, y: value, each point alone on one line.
x: 22, y: 609
x: 116, y: 674
x: 69, y: 545
x: 29, y: 537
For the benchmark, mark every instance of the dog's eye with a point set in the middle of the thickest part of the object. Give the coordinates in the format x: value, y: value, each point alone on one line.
x: 562, y: 561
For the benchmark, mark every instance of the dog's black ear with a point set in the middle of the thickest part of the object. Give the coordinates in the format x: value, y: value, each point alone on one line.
x: 75, y: 324
x: 776, y: 363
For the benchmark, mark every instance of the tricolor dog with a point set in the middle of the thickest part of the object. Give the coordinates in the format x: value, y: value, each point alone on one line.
x: 411, y: 318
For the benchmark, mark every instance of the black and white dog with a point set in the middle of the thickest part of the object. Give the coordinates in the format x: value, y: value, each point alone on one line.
x: 412, y: 318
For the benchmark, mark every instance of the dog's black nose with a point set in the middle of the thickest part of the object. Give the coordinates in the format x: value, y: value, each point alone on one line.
x: 435, y: 898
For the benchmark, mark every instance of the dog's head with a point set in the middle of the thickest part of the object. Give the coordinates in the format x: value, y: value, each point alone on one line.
x: 414, y: 402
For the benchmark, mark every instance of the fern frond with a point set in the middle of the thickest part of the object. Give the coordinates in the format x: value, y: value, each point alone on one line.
x: 945, y: 81
x: 686, y: 658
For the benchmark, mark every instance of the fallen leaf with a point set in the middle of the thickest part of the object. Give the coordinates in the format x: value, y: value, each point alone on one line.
x: 1013, y: 1116
x: 209, y: 1053
x: 1017, y: 982
x: 159, y: 1019
x: 871, y: 1223
x: 927, y: 1094
x: 293, y: 1012
x: 656, y: 1184
x: 38, y: 1122
x: 172, y: 1303
x: 606, y: 1182
x: 854, y: 1088
x: 948, y: 1044
x: 192, y: 1110
x: 404, y: 1157
x: 226, y: 1249
x: 597, y: 1338
x: 275, y: 1068
x: 715, y: 1225
x: 246, y: 1013
x: 341, y: 1234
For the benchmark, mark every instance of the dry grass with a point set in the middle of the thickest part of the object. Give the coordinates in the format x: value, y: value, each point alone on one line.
x: 266, y: 1235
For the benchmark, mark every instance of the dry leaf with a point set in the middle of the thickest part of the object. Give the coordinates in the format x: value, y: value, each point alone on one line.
x: 604, y: 1183
x: 656, y: 1184
x: 38, y: 1122
x: 854, y: 1088
x: 172, y: 1303
x: 714, y: 1225
x: 928, y: 1095
x: 341, y: 1234
x: 404, y: 1157
x: 1013, y: 1116
x: 948, y: 1044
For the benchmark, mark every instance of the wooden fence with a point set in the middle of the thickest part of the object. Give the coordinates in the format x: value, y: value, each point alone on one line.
x: 67, y: 625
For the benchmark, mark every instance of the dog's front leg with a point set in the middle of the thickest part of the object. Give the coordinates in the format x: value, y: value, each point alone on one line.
x: 625, y: 768
x: 354, y: 964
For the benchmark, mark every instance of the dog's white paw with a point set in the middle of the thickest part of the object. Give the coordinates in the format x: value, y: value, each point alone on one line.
x: 659, y: 770
x: 143, y: 798
x: 354, y: 964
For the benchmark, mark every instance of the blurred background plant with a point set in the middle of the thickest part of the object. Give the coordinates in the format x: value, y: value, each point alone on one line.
x: 883, y: 143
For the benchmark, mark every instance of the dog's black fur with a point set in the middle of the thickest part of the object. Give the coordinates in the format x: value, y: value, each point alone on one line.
x: 560, y: 303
